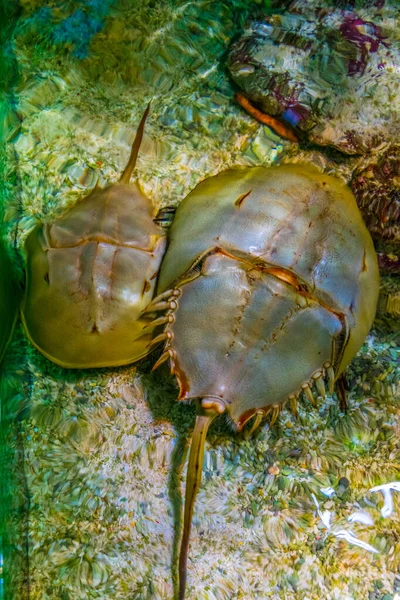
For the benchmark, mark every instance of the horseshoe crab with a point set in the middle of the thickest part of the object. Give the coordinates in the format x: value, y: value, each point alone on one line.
x: 269, y: 285
x: 324, y: 71
x: 91, y: 273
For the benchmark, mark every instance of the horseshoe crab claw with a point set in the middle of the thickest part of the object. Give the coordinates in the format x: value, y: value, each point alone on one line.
x: 269, y: 286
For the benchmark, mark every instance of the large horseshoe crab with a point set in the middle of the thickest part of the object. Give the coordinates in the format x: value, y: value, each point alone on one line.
x: 91, y: 273
x: 269, y: 286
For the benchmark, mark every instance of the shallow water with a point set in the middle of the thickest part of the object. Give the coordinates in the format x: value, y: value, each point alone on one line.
x: 94, y: 461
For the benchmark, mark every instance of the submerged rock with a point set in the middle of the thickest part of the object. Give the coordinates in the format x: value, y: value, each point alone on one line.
x: 329, y: 72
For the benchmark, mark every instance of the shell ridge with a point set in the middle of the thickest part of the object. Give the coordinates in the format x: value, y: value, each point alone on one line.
x: 279, y: 330
x: 93, y: 308
x: 236, y: 334
x: 288, y: 219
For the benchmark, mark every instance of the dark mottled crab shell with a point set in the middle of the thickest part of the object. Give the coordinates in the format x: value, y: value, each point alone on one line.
x: 329, y: 72
x: 91, y: 273
x: 270, y: 282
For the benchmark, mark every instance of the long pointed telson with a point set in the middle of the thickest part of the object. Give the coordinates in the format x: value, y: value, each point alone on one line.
x: 193, y: 481
x: 127, y: 173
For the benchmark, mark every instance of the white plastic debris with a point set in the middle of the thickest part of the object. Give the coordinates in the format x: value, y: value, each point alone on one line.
x: 328, y: 491
x: 386, y: 490
x: 361, y: 516
x: 347, y: 535
x: 343, y: 534
x: 325, y: 517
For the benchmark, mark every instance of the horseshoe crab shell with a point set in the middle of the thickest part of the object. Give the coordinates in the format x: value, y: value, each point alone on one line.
x: 91, y: 273
x: 270, y: 282
x: 291, y: 218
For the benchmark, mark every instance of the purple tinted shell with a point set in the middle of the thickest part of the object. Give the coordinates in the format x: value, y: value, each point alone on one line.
x: 329, y: 72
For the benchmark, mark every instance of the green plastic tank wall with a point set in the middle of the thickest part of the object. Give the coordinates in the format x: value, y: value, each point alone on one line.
x: 13, y: 499
x: 95, y: 459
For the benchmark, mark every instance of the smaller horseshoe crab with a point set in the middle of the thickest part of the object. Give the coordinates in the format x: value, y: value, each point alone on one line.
x: 270, y: 283
x: 91, y: 273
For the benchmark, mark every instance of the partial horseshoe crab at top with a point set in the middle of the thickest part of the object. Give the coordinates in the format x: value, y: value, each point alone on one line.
x: 270, y: 283
x: 91, y: 273
x: 327, y: 69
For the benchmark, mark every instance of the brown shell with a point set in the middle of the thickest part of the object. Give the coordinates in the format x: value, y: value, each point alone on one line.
x: 91, y: 273
x: 270, y: 283
x: 291, y: 223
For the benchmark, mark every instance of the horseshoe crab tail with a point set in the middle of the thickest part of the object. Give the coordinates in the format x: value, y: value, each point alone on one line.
x: 193, y: 480
x: 126, y: 175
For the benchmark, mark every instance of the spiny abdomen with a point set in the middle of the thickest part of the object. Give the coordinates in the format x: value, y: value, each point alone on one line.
x: 247, y: 338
